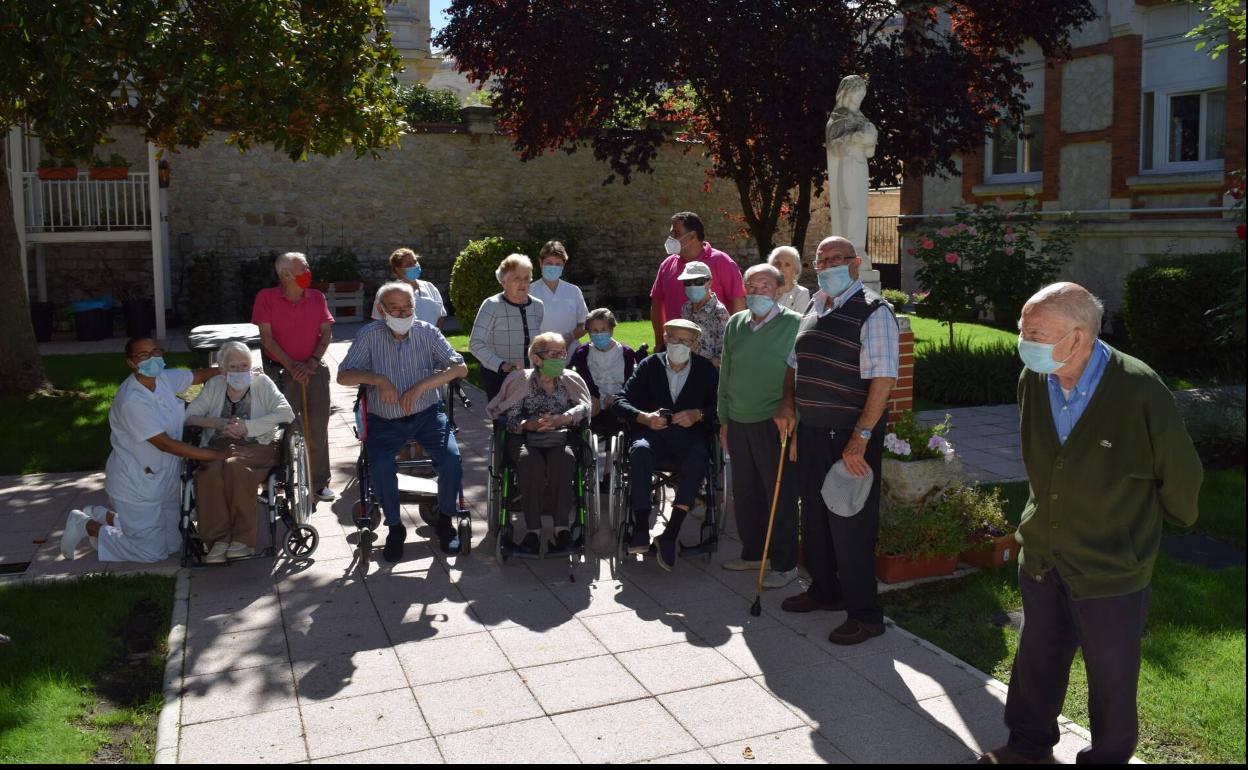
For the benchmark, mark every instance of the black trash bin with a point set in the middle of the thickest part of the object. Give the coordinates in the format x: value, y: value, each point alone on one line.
x: 41, y: 319
x: 93, y: 319
x: 140, y: 317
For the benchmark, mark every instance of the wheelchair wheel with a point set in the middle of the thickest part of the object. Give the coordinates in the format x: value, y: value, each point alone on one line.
x: 493, y: 490
x: 357, y: 516
x: 616, y: 486
x: 503, y: 543
x: 301, y: 541
x: 298, y: 478
x: 465, y: 536
x: 593, y: 494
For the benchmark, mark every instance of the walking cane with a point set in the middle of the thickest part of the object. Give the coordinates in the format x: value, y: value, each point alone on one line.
x: 756, y: 609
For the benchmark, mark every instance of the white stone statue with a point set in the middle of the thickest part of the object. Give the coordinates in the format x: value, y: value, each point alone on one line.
x: 850, y: 140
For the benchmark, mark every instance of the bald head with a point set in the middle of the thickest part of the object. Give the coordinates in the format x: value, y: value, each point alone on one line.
x: 842, y: 246
x: 835, y: 251
x: 1070, y: 302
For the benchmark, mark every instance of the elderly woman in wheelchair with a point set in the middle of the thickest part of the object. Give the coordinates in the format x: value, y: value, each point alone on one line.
x: 540, y: 408
x: 239, y: 411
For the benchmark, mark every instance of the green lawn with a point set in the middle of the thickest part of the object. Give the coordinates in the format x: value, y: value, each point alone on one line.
x: 67, y: 431
x: 929, y: 332
x: 68, y: 646
x: 1191, y: 697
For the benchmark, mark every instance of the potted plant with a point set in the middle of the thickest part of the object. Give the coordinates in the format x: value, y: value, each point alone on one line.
x: 115, y: 168
x: 989, y: 536
x: 919, y: 541
x: 51, y: 168
x: 918, y: 460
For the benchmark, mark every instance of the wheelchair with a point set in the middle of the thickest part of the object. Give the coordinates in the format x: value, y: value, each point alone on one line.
x: 287, y: 498
x: 712, y: 495
x: 502, y: 493
x: 367, y: 514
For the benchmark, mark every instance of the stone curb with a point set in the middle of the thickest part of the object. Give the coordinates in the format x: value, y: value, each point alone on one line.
x: 171, y: 712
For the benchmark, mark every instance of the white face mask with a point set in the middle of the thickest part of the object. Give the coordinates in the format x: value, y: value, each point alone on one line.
x: 672, y: 245
x: 678, y: 353
x: 400, y: 325
x: 238, y: 380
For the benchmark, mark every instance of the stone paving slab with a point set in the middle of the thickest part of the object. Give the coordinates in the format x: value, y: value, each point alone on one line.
x: 461, y: 659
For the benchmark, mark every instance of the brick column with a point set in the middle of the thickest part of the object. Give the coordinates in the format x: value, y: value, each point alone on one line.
x: 902, y: 397
x: 1234, y: 152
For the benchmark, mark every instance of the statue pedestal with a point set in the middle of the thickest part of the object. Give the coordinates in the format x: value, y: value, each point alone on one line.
x: 869, y: 276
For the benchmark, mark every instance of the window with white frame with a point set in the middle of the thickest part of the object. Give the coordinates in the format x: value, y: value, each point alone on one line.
x: 1183, y: 105
x: 1016, y: 155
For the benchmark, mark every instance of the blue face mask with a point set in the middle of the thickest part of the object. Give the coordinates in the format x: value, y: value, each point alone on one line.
x: 551, y: 272
x: 601, y: 340
x: 412, y: 273
x: 1038, y: 357
x: 759, y: 305
x: 152, y: 366
x: 695, y: 293
x: 835, y: 280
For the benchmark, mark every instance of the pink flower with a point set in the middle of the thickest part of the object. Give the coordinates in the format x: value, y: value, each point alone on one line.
x: 943, y: 232
x: 952, y: 258
x: 972, y: 231
x: 1009, y: 251
x: 910, y: 252
x: 962, y: 227
x: 928, y: 244
x: 1009, y: 237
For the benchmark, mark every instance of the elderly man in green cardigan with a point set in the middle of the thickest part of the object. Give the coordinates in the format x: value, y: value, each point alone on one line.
x: 1108, y: 459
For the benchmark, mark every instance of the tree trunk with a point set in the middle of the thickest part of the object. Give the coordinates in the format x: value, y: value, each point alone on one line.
x: 801, y: 215
x: 21, y: 368
x: 762, y: 223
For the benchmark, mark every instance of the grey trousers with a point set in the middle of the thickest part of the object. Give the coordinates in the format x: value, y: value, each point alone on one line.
x: 1108, y: 630
x: 754, y: 448
x: 315, y: 424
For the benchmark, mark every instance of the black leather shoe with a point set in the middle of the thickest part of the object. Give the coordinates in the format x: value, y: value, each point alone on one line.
x: 448, y: 536
x: 808, y: 602
x: 393, y: 550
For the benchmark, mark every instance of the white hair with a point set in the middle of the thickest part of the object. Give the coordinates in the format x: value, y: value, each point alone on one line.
x: 512, y: 262
x: 785, y: 251
x: 284, y: 262
x: 231, y: 348
x: 766, y: 269
x: 402, y: 286
x: 1073, y: 302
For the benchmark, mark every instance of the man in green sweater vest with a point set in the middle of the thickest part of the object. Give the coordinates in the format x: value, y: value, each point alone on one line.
x: 753, y: 363
x: 1108, y: 459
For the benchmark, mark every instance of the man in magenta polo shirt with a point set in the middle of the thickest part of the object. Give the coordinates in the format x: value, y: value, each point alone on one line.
x: 686, y: 243
x: 295, y: 330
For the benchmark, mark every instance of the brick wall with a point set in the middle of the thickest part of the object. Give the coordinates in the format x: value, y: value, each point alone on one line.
x: 902, y: 397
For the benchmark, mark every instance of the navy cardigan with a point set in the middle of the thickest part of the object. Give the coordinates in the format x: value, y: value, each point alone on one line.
x: 647, y: 391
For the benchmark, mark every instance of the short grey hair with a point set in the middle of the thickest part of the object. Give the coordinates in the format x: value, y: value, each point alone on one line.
x: 785, y: 251
x: 1073, y: 302
x: 233, y: 347
x: 769, y: 270
x: 402, y: 286
x: 512, y: 262
x: 284, y: 262
x: 601, y: 314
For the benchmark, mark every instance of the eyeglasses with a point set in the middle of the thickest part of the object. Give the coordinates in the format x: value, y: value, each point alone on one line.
x: 670, y: 340
x: 153, y: 353
x: 547, y: 355
x: 836, y: 260
x: 758, y: 288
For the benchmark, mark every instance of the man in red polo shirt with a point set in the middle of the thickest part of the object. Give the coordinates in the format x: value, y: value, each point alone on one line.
x: 295, y: 330
x: 686, y: 243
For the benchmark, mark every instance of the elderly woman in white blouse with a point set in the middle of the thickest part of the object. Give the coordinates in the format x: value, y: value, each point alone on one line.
x: 240, y: 410
x: 792, y: 294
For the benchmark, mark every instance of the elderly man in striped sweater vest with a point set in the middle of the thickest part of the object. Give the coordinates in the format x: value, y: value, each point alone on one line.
x: 842, y: 369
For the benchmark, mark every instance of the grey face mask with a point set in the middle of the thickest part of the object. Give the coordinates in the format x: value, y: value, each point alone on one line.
x: 238, y: 380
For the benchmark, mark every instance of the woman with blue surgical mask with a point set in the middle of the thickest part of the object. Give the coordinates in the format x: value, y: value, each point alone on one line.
x: 564, y: 305
x: 142, y: 479
x: 405, y: 266
x: 239, y: 413
x: 605, y: 364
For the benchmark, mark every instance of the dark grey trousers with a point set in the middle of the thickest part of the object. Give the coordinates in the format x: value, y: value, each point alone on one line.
x: 840, y: 552
x: 754, y: 450
x: 1108, y: 630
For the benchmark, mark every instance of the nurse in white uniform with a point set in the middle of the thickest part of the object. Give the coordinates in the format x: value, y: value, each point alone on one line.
x: 429, y: 307
x: 140, y: 523
x: 563, y: 304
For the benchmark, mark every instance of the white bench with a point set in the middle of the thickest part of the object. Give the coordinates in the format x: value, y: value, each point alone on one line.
x: 350, y: 301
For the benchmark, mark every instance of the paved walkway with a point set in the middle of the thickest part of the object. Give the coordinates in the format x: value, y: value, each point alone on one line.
x: 986, y: 438
x: 460, y: 659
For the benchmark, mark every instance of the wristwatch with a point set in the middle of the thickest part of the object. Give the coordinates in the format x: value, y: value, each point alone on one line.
x: 863, y: 433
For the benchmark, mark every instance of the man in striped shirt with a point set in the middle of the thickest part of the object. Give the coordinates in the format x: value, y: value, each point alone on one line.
x: 402, y: 362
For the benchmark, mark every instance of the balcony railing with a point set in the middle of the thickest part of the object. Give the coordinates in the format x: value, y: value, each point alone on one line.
x: 66, y: 205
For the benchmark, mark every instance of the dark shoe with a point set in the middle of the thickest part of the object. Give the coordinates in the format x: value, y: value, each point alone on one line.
x: 808, y: 602
x: 393, y: 551
x: 561, y: 544
x: 640, y: 541
x: 531, y: 545
x: 578, y: 538
x: 448, y: 536
x: 855, y: 632
x: 1008, y: 756
x: 665, y: 551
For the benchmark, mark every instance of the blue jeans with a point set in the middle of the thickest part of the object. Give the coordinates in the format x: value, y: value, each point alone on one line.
x: 432, y: 431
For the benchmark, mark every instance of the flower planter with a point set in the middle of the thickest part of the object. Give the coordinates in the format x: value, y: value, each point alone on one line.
x: 58, y: 172
x: 1003, y: 549
x: 109, y: 173
x: 897, y: 569
x: 909, y: 483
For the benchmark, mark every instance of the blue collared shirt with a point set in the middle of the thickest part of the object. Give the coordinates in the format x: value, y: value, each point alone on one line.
x: 422, y: 353
x: 1067, y: 411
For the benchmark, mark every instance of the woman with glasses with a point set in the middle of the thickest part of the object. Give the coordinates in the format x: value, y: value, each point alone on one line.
x: 704, y: 309
x: 540, y: 406
x: 140, y: 522
x: 239, y: 412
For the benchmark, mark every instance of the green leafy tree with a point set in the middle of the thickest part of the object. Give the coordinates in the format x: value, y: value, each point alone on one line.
x: 424, y: 105
x: 1224, y: 21
x: 304, y: 76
